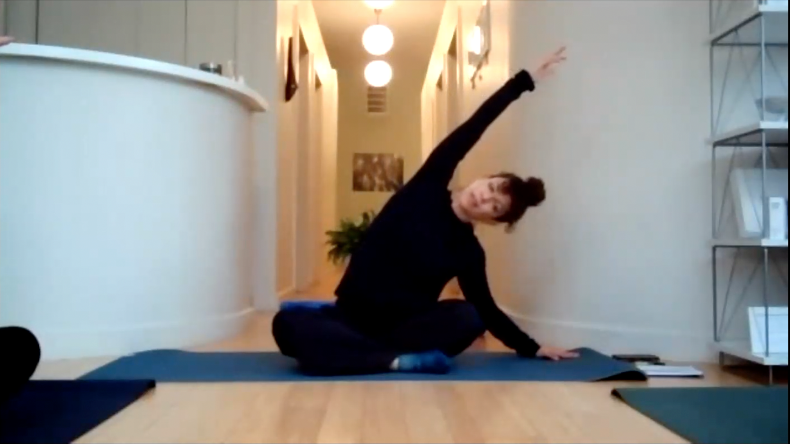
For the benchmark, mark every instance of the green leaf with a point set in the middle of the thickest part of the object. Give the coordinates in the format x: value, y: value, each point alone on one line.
x: 347, y: 237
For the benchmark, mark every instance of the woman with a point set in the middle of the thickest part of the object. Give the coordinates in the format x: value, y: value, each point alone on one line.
x: 387, y: 316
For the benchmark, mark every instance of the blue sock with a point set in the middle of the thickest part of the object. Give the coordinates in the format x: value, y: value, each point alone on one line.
x: 309, y: 305
x: 426, y: 362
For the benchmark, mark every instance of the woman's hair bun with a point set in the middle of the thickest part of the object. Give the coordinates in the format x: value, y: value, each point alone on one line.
x: 534, y: 191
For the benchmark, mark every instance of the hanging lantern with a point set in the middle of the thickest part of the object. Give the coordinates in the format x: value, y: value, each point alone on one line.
x: 378, y: 73
x: 377, y: 40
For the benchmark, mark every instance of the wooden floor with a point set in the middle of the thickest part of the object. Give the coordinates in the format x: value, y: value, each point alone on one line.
x: 376, y: 412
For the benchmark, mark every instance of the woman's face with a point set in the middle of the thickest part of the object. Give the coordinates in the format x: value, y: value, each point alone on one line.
x: 483, y: 200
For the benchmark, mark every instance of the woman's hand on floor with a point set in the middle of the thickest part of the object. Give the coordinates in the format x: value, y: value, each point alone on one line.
x: 4, y: 40
x: 556, y: 354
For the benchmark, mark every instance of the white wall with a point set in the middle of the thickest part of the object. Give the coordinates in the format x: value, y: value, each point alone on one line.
x: 176, y: 31
x: 20, y: 20
x: 2, y: 17
x: 257, y: 24
x: 617, y: 258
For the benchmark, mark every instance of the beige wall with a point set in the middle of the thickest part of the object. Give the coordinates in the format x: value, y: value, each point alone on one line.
x: 297, y: 234
x: 397, y: 132
x: 327, y: 182
x: 617, y: 258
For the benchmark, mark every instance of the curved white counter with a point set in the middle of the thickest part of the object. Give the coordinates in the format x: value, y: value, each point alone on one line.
x: 143, y: 66
x: 126, y: 194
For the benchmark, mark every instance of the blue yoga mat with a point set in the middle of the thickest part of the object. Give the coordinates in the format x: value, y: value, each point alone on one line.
x: 715, y: 415
x: 55, y: 412
x: 182, y: 366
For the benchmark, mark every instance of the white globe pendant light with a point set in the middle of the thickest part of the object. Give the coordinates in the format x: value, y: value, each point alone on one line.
x: 378, y: 73
x: 377, y: 40
x: 378, y: 4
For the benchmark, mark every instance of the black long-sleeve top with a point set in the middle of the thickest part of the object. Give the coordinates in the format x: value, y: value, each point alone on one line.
x: 417, y: 243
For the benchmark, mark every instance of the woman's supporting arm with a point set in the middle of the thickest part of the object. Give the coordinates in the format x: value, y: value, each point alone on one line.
x: 444, y: 159
x: 474, y: 285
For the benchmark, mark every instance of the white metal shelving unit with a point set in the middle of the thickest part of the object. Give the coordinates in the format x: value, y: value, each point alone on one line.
x: 761, y: 26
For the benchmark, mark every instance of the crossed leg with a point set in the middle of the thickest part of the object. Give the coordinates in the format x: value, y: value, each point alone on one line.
x: 325, y: 341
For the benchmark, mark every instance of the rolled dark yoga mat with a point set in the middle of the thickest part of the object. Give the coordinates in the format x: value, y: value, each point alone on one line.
x: 181, y: 366
x: 52, y: 412
x: 20, y: 353
x: 55, y: 412
x: 715, y: 415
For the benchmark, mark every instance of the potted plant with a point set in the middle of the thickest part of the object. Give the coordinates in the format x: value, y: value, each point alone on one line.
x: 344, y: 240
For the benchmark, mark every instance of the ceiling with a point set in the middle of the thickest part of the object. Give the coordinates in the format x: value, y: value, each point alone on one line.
x: 414, y: 23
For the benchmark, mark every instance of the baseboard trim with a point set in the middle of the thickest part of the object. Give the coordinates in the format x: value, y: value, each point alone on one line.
x: 119, y: 341
x: 288, y: 292
x: 679, y: 346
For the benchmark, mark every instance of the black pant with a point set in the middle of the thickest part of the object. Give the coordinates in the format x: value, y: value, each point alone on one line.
x: 19, y: 357
x: 336, y: 341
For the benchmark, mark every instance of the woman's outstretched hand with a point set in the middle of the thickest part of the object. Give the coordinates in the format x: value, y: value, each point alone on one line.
x: 547, y: 66
x: 5, y: 40
x: 556, y: 354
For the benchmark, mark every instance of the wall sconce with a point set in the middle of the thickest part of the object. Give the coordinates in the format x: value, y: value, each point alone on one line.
x: 479, y: 42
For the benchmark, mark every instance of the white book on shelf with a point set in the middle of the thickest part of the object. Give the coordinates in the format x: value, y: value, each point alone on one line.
x: 777, y: 218
x: 777, y: 330
x: 776, y: 3
x: 747, y: 195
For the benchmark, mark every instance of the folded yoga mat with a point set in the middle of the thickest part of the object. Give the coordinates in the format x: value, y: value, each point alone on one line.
x: 53, y: 412
x: 182, y: 366
x: 716, y: 415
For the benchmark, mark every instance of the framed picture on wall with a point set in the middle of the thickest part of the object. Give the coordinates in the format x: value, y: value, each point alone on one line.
x: 375, y: 172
